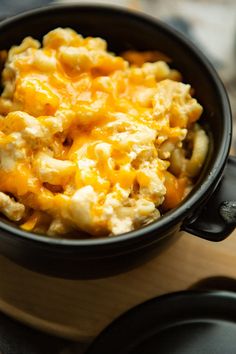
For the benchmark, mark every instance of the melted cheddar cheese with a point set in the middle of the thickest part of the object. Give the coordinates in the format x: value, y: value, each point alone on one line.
x: 88, y: 141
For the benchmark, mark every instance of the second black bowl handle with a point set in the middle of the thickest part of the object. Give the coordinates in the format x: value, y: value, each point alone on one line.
x: 217, y: 219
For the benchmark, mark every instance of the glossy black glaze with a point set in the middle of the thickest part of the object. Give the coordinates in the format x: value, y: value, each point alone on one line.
x: 76, y: 261
x: 123, y: 30
x: 217, y: 219
x: 189, y: 322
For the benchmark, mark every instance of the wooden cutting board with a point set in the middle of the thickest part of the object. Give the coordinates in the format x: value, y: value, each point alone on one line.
x: 79, y: 310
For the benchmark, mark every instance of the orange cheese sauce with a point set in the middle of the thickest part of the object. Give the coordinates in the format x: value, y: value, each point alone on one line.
x: 87, y: 137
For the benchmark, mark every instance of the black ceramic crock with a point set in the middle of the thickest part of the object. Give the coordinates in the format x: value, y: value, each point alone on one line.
x: 208, y: 212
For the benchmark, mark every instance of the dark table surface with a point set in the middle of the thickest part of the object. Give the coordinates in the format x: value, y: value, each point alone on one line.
x: 16, y: 338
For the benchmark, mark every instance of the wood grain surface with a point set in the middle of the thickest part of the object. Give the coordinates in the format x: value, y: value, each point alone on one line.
x: 81, y: 309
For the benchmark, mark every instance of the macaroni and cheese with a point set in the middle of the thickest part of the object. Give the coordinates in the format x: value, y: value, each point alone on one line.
x: 92, y: 141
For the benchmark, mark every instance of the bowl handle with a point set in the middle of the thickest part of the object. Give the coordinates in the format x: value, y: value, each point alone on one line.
x: 217, y: 218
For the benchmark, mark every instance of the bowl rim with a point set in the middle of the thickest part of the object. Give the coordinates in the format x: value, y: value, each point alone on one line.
x: 211, y: 180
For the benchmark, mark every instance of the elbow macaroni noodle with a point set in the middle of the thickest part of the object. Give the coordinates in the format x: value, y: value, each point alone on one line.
x: 91, y: 141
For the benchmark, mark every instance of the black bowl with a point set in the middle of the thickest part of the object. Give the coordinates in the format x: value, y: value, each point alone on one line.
x: 199, y: 213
